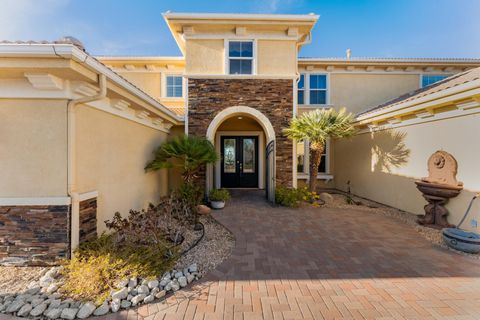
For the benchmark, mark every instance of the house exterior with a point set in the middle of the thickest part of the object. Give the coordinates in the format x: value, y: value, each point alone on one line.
x: 78, y: 129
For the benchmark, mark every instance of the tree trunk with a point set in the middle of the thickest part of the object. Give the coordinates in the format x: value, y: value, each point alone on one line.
x: 316, y: 150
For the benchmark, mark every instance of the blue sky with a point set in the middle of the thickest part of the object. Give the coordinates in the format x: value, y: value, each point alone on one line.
x: 382, y: 28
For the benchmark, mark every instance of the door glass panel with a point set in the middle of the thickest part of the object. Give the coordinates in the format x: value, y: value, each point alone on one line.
x: 229, y: 156
x: 248, y: 155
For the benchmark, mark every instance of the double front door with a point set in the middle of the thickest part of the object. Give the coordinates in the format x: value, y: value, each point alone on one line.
x: 239, y: 162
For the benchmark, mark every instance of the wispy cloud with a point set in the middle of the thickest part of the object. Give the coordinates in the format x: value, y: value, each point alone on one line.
x: 27, y: 19
x: 275, y: 6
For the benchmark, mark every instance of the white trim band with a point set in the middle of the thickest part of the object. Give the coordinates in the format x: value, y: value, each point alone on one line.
x: 41, y: 201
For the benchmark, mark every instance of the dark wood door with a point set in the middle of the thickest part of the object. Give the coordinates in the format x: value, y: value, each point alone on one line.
x: 239, y: 162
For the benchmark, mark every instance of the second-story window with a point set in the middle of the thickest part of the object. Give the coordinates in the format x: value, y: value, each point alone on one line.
x: 428, y: 79
x: 301, y: 90
x: 174, y: 86
x: 318, y: 89
x: 240, y: 57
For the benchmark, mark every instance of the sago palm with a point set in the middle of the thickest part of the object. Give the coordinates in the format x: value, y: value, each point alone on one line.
x: 316, y: 127
x: 189, y: 153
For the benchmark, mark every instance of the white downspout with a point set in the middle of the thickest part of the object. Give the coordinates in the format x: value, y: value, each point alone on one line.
x: 72, y: 157
x: 295, y: 106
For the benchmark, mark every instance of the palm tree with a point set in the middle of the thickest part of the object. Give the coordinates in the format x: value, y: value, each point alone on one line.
x: 316, y: 127
x: 189, y: 153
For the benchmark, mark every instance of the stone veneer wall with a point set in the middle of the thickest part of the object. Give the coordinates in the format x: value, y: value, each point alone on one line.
x: 88, y: 219
x: 34, y: 235
x: 272, y: 97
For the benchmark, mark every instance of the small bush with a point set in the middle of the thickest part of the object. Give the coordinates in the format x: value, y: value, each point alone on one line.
x: 292, y: 197
x: 97, y: 265
x: 219, y: 195
x: 288, y: 197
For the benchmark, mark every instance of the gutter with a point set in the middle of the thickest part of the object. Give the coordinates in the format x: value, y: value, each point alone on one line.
x: 308, y: 40
x: 72, y: 157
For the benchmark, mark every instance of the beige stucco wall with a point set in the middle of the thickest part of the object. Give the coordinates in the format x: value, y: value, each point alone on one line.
x: 276, y: 57
x: 384, y: 165
x: 111, y: 156
x: 150, y: 82
x: 204, y: 56
x: 33, y: 148
x: 358, y: 92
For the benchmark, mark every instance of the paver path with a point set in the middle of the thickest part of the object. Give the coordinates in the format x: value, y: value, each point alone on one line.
x: 321, y: 263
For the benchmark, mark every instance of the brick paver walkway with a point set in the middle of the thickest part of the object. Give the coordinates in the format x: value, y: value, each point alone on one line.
x: 325, y: 264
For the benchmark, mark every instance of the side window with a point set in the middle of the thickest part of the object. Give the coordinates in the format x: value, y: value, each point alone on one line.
x: 240, y: 57
x: 431, y: 79
x: 318, y: 89
x: 174, y: 87
x: 301, y: 90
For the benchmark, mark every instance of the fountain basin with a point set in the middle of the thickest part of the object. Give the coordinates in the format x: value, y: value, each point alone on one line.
x: 438, y: 191
x: 462, y: 240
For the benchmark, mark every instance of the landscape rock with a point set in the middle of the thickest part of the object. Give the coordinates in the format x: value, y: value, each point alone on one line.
x: 182, y: 281
x: 133, y: 282
x: 115, y: 306
x: 125, y: 304
x: 103, y: 309
x: 164, y: 282
x: 38, y: 310
x: 175, y: 286
x: 190, y: 278
x: 326, y: 197
x: 178, y: 274
x: 160, y: 294
x: 152, y: 284
x: 55, y: 304
x: 34, y: 289
x: 120, y: 294
x: 149, y: 298
x: 143, y: 289
x: 155, y: 291
x: 45, y: 281
x: 25, y: 310
x: 52, y: 288
x: 69, y: 313
x: 36, y: 301
x: 137, y: 299
x: 15, y: 306
x: 129, y: 297
x: 86, y: 310
x: 53, y: 313
x: 203, y: 209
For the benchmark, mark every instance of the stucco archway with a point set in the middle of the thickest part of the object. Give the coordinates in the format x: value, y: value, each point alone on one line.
x: 264, y: 123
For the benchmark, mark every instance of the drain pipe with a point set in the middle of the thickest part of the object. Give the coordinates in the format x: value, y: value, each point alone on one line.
x: 308, y: 40
x: 72, y: 157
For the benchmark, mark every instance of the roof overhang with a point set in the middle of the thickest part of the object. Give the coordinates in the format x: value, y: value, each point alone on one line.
x: 70, y: 51
x: 178, y: 21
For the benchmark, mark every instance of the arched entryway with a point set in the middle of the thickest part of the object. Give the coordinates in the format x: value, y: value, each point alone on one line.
x: 241, y: 134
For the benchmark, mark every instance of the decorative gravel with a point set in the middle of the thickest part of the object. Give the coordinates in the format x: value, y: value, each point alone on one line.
x: 431, y: 234
x: 16, y: 279
x: 215, y: 247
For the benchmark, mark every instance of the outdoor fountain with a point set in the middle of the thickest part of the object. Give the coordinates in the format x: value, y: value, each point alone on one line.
x: 440, y: 185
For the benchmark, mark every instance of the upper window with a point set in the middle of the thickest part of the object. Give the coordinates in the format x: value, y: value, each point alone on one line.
x: 312, y: 89
x: 431, y: 79
x: 301, y: 90
x: 174, y: 87
x: 240, y: 57
x: 318, y: 89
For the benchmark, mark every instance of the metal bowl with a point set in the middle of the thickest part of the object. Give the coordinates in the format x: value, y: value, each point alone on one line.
x: 462, y: 240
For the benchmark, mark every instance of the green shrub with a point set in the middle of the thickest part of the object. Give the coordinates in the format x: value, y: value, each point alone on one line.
x: 288, y: 197
x: 219, y: 195
x: 98, y: 264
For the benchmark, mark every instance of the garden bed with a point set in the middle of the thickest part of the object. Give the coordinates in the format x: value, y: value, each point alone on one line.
x: 33, y: 291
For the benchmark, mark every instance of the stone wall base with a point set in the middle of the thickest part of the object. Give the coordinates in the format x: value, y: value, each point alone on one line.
x: 34, y: 235
x: 88, y: 219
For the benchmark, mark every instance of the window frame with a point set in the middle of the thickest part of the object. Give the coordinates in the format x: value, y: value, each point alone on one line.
x: 165, y: 85
x: 306, y: 162
x: 432, y: 75
x: 307, y: 89
x: 253, y: 58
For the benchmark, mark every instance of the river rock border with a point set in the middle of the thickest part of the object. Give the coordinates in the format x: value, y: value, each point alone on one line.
x: 43, y: 299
